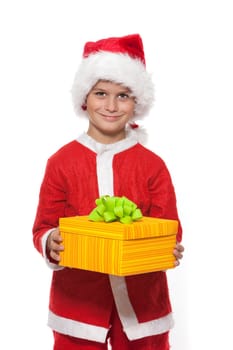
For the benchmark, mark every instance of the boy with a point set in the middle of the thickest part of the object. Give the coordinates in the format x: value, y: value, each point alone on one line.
x: 87, y: 309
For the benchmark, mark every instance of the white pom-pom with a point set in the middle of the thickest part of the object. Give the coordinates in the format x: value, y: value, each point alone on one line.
x: 139, y: 131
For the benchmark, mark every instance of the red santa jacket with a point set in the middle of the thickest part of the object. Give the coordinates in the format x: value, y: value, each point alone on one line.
x: 81, y: 301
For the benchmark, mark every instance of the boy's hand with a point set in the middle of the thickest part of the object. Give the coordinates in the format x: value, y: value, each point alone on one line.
x: 178, y: 252
x: 54, y: 246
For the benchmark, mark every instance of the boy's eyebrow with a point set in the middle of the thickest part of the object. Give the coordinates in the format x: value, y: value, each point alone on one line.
x: 123, y: 91
x: 97, y: 88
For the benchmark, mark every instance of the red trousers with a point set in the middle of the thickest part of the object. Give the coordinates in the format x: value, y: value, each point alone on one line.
x: 116, y: 337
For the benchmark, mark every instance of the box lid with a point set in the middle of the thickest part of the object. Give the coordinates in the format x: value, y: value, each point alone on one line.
x: 145, y: 228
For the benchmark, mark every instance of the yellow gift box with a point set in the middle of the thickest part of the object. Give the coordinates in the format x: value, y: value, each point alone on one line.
x: 119, y: 249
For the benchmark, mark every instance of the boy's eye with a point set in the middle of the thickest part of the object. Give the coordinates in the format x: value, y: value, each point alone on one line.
x: 100, y: 93
x: 123, y: 96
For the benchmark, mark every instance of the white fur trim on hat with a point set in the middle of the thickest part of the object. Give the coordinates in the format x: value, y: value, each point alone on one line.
x: 118, y: 68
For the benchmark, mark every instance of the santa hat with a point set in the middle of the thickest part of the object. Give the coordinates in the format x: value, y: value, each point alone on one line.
x: 117, y: 59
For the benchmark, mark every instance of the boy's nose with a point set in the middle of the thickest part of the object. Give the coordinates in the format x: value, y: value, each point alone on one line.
x: 111, y: 104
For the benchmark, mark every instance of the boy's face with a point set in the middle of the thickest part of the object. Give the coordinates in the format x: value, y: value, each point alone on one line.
x: 110, y: 106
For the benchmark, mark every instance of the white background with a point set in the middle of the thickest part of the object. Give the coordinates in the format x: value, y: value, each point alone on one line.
x: 188, y: 46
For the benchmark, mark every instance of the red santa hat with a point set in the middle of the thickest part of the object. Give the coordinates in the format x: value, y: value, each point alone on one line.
x: 117, y: 59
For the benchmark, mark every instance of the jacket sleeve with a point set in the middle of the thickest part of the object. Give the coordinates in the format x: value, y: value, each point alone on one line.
x: 163, y: 198
x: 51, y: 206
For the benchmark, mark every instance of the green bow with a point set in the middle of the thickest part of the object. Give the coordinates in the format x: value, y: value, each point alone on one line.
x: 114, y: 208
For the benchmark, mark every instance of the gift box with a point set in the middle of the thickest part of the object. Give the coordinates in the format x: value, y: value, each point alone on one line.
x: 119, y: 249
